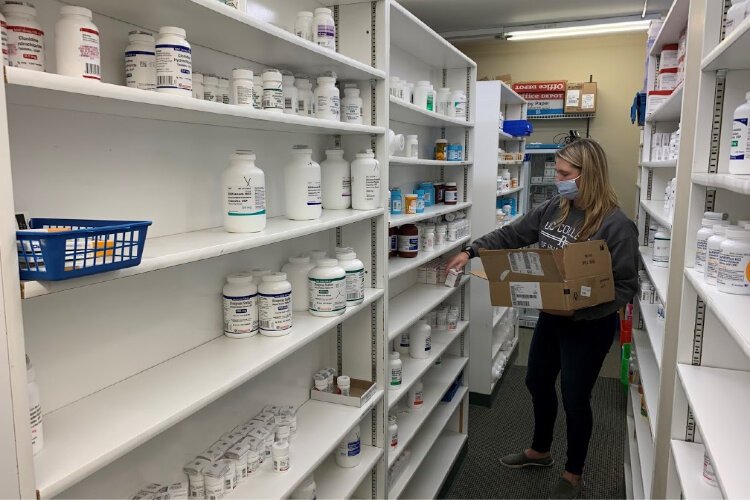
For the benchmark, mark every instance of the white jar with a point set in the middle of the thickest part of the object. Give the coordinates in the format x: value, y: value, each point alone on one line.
x: 77, y: 44
x: 395, y: 370
x: 420, y: 341
x: 174, y: 63
x: 734, y: 16
x: 4, y: 38
x: 344, y: 383
x: 327, y: 286
x: 704, y: 233
x: 211, y: 88
x: 140, y: 61
x: 302, y: 186
x: 280, y: 453
x: 355, y: 277
x: 327, y: 102
x: 324, y: 28
x: 21, y: 22
x: 244, y: 194
x: 242, y: 87
x: 257, y: 92
x: 412, y: 146
x: 303, y: 25
x: 304, y: 96
x: 734, y: 263
x: 365, y: 181
x: 443, y: 101
x: 291, y: 96
x: 416, y: 396
x: 662, y: 245
x: 351, y: 106
x: 35, y: 408
x: 458, y: 107
x: 336, y: 181
x: 428, y: 239
x: 349, y: 452
x: 739, y: 152
x: 713, y: 251
x: 198, y: 89
x: 273, y: 91
x: 275, y: 305
x: 224, y: 91
x: 424, y: 95
x: 392, y: 432
x: 296, y: 271
x: 240, y: 297
x: 308, y: 489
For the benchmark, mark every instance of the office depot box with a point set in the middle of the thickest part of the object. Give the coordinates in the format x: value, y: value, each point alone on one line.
x: 566, y: 279
x: 543, y: 97
x: 580, y: 98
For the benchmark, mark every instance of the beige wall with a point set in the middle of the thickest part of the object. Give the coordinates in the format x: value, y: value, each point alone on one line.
x: 616, y: 63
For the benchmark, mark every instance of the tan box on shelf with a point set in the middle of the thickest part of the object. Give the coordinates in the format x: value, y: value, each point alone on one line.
x: 360, y: 392
x: 580, y: 97
x: 566, y: 279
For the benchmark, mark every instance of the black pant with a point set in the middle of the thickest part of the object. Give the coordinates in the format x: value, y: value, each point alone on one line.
x: 577, y: 349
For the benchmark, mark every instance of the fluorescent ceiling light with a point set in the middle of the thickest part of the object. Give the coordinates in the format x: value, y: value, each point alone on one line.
x: 574, y: 31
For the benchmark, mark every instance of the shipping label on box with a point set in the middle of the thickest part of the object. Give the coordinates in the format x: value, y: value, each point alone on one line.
x: 580, y: 98
x: 566, y: 279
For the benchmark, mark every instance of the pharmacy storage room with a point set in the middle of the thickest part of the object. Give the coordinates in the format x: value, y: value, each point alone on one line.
x: 374, y: 249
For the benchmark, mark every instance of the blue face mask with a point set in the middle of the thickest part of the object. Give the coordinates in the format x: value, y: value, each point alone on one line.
x: 568, y: 189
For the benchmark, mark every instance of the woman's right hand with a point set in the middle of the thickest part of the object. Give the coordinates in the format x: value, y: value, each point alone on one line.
x: 458, y: 261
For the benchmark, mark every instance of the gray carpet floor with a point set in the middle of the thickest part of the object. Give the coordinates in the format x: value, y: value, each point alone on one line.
x: 507, y: 428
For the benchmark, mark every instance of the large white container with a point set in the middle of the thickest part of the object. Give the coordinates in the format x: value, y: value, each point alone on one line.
x: 734, y: 263
x: 324, y: 28
x: 25, y: 36
x: 349, y: 452
x: 420, y: 341
x: 424, y: 96
x: 337, y: 181
x: 304, y: 96
x: 303, y: 25
x: 296, y: 271
x: 275, y: 305
x: 77, y: 44
x: 174, y: 62
x: 302, y: 186
x: 240, y: 297
x: 327, y: 288
x: 739, y: 152
x: 273, y: 91
x: 327, y: 99
x: 365, y: 181
x: 244, y: 194
x: 351, y: 106
x: 355, y: 276
x: 140, y: 61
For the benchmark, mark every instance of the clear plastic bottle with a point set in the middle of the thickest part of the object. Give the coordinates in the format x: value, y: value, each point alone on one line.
x: 25, y: 36
x: 244, y: 197
x: 77, y: 44
x: 174, y: 62
x: 140, y: 61
x: 324, y: 28
x: 327, y: 101
x: 739, y: 153
x: 302, y: 182
x: 242, y: 87
x: 355, y: 277
x: 336, y: 181
x: 35, y: 408
x: 273, y: 91
x: 366, y: 182
x: 327, y: 286
x: 296, y: 271
x: 351, y: 105
x: 291, y: 95
x: 303, y: 25
x: 275, y: 305
x: 198, y: 89
x: 394, y: 369
x: 240, y: 297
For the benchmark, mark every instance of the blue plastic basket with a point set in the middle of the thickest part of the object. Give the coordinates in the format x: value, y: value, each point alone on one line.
x: 89, y: 247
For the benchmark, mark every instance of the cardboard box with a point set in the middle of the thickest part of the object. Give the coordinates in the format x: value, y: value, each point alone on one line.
x: 543, y: 97
x: 567, y: 279
x: 360, y: 392
x: 580, y: 98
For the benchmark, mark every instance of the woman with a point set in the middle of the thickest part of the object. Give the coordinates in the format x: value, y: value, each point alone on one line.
x: 573, y: 344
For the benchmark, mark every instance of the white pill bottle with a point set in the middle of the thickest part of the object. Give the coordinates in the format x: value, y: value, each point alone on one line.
x: 302, y: 186
x: 140, y: 61
x: 337, y: 181
x: 324, y: 28
x: 25, y: 36
x: 77, y: 44
x: 244, y: 196
x: 365, y: 181
x: 349, y: 452
x: 174, y: 62
x: 327, y: 99
x: 327, y: 288
x: 275, y: 305
x: 355, y: 277
x: 240, y: 298
x: 296, y: 271
x: 739, y: 152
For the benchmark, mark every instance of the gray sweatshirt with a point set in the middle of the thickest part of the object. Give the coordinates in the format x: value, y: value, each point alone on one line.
x: 617, y: 230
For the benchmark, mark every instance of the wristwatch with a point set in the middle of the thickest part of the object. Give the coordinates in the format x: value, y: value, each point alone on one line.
x: 469, y: 251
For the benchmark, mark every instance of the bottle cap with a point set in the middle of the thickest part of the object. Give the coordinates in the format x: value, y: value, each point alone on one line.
x: 274, y: 277
x: 300, y: 259
x: 241, y: 278
x: 327, y: 262
x: 243, y: 154
x: 242, y: 74
x: 70, y: 10
x: 323, y: 10
x: 394, y: 355
x: 738, y: 234
x: 343, y: 381
x: 172, y: 30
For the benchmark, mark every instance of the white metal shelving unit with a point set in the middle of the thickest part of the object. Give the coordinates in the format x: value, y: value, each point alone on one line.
x: 492, y: 98
x: 437, y: 429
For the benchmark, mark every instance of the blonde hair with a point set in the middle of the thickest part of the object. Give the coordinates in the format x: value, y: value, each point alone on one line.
x: 596, y: 197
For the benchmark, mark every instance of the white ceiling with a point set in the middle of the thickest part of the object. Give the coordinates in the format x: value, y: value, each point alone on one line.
x: 458, y: 15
